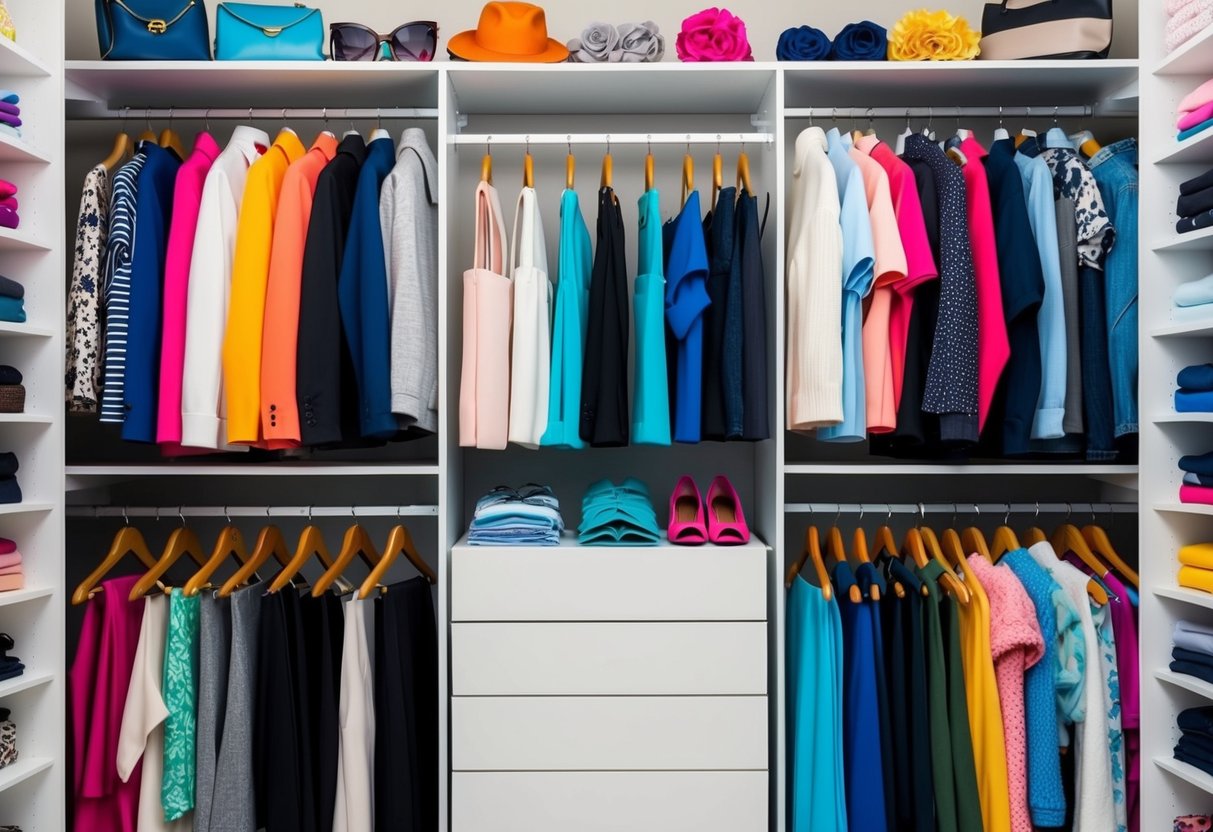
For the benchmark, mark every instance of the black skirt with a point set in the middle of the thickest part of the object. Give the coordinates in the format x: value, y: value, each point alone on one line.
x: 605, y: 416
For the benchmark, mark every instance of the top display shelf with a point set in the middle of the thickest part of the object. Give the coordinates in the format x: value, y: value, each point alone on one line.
x: 663, y: 88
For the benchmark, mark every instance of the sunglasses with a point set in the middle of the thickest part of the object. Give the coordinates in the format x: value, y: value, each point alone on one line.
x: 415, y: 41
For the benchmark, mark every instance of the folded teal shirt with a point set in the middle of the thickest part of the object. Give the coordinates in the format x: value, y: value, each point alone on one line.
x: 12, y: 310
x: 1192, y: 131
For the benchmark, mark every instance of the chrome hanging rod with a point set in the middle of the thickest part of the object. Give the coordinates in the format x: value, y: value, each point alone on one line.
x: 302, y: 512
x: 1078, y: 111
x: 135, y: 114
x: 994, y: 510
x: 490, y: 139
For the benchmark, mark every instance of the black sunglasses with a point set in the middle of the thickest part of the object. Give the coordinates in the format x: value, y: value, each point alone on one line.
x: 415, y: 41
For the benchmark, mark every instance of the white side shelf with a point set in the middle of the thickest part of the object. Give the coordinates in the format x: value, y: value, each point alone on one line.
x: 1198, y: 148
x: 1187, y: 596
x: 1184, y: 508
x: 1186, y: 772
x: 1186, y: 329
x: 16, y: 60
x: 7, y: 328
x: 1192, y: 58
x: 20, y: 239
x: 1183, y: 680
x: 1201, y: 240
x: 924, y: 470
x: 26, y: 508
x: 23, y: 769
x: 13, y: 149
x: 1183, y: 418
x: 26, y: 681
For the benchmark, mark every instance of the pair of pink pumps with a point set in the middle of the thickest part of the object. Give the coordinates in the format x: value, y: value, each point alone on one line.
x: 720, y: 520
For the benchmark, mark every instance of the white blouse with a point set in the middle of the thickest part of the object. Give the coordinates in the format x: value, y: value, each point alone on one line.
x: 530, y: 373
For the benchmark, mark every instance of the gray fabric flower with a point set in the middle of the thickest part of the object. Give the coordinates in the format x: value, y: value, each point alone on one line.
x: 641, y: 42
x: 595, y: 45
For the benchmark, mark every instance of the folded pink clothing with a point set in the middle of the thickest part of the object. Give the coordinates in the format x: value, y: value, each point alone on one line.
x: 9, y: 218
x: 9, y: 203
x: 1189, y: 29
x: 7, y: 546
x: 1197, y: 116
x: 11, y: 570
x: 1196, y: 494
x: 10, y: 559
x: 1191, y: 10
x: 11, y: 582
x: 1174, y: 7
x: 1196, y: 99
x: 7, y: 189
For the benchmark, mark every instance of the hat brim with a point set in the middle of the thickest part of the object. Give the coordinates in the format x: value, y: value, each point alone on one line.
x: 464, y: 45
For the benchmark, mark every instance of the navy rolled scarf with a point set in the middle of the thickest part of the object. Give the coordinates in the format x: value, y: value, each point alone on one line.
x: 862, y: 41
x: 803, y: 43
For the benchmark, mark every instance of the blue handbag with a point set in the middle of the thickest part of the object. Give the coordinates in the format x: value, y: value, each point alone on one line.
x: 152, y: 30
x: 251, y: 32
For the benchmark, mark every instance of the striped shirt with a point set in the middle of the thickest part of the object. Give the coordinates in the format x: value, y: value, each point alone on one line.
x: 117, y: 292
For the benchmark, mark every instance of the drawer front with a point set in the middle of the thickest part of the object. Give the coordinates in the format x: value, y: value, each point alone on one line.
x: 609, y: 659
x: 702, y: 583
x: 593, y: 733
x: 609, y: 801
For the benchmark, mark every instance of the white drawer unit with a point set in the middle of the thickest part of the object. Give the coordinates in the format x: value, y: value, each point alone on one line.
x: 610, y: 801
x: 571, y: 583
x: 608, y: 733
x: 617, y: 658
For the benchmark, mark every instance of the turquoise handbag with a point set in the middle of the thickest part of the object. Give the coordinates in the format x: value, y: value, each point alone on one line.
x: 251, y: 32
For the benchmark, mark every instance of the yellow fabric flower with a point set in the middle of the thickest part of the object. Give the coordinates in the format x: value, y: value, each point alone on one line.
x: 933, y: 36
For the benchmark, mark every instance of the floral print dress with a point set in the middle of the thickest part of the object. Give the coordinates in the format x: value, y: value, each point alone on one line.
x: 82, y: 379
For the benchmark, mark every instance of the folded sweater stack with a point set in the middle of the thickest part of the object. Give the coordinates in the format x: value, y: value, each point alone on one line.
x: 12, y: 302
x: 1196, y: 572
x: 1197, y: 485
x: 618, y: 515
x: 1195, y: 204
x: 12, y: 569
x: 1195, y: 746
x: 528, y: 516
x: 1195, y: 393
x: 1185, y: 20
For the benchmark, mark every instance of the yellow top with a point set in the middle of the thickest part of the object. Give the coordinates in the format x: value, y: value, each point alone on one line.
x: 1197, y: 554
x: 1191, y: 577
x: 985, y: 708
x: 250, y: 274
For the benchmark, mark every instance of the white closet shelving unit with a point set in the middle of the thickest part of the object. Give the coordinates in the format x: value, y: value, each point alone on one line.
x: 1169, y: 787
x: 516, y: 101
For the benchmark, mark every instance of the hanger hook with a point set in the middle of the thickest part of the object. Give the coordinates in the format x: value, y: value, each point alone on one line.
x: 309, y: 515
x: 147, y: 117
x: 907, y: 118
x: 1000, y: 115
x: 717, y: 144
x: 838, y: 513
x: 206, y: 119
x: 871, y: 117
x: 397, y: 514
x: 324, y: 115
x: 181, y: 515
x: 834, y: 115
x: 954, y: 510
x: 488, y: 145
x: 649, y: 143
x: 889, y: 517
x: 170, y: 115
x: 688, y: 144
x: 1055, y: 109
x: 528, y: 145
x: 958, y: 114
x: 1037, y: 514
x: 922, y: 514
x: 977, y: 512
x: 1093, y: 518
x: 1006, y: 518
x: 861, y: 513
x: 1069, y: 511
x: 930, y: 118
x: 608, y: 138
x: 284, y: 115
x: 378, y: 117
x: 157, y: 516
x: 126, y: 112
x: 227, y: 516
x: 126, y: 521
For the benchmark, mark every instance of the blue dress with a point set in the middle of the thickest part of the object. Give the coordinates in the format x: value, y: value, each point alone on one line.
x: 651, y: 402
x: 686, y: 298
x: 568, y: 334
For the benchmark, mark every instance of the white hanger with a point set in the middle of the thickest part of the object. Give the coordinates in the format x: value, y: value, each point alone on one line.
x: 1001, y: 132
x: 901, y: 139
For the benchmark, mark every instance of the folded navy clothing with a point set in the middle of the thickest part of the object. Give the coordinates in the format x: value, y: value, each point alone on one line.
x: 1189, y: 224
x: 10, y: 491
x: 1198, y: 720
x: 1194, y: 401
x: 10, y: 668
x: 11, y: 288
x: 1197, y: 183
x: 1189, y: 205
x: 8, y: 464
x: 9, y: 375
x: 1199, y: 748
x: 1196, y: 377
x: 1185, y: 655
x: 803, y: 43
x: 1203, y: 672
x: 1197, y: 463
x: 1197, y: 479
x: 862, y: 41
x: 1207, y: 768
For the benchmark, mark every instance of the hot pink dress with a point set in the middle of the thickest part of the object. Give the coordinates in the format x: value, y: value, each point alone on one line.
x: 1016, y: 644
x: 97, y: 684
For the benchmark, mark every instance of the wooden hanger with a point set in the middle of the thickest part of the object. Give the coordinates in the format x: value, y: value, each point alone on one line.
x: 570, y: 169
x: 1034, y: 535
x: 859, y: 545
x: 311, y: 544
x: 1068, y: 539
x: 608, y: 169
x: 528, y: 169
x: 743, y: 174
x: 182, y: 541
x: 357, y: 543
x: 128, y: 541
x: 717, y: 174
x: 951, y: 582
x: 121, y: 152
x: 885, y: 543
x: 839, y: 553
x: 1099, y: 541
x: 486, y: 165
x: 648, y: 170
x: 812, y: 554
x: 230, y: 544
x: 169, y: 140
x: 974, y: 540
x: 1004, y: 539
x: 399, y: 542
x: 688, y: 175
x: 270, y: 543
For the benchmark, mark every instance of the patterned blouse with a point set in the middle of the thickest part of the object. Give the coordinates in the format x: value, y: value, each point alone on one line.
x: 1073, y: 180
x: 82, y: 378
x: 116, y: 288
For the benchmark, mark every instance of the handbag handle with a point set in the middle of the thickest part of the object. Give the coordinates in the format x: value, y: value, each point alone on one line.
x: 488, y: 242
x: 1005, y: 10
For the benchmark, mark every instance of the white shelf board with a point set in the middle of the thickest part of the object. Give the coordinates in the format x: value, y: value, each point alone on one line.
x: 1187, y: 596
x: 1184, y: 329
x: 1198, y: 148
x: 1183, y: 418
x: 1186, y: 772
x: 23, y: 769
x: 17, y: 239
x: 1184, y: 508
x: 667, y: 87
x: 1192, y: 58
x: 568, y: 541
x: 13, y: 149
x: 16, y: 60
x: 313, y: 84
x: 225, y: 469
x: 25, y: 508
x: 947, y: 84
x: 25, y: 419
x: 1201, y: 240
x: 8, y: 328
x: 25, y: 681
x: 914, y: 470
x: 1183, y: 680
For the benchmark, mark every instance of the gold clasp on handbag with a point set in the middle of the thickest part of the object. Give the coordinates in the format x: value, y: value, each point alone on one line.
x: 157, y: 27
x: 272, y: 31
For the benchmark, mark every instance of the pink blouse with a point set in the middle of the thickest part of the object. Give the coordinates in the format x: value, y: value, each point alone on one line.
x: 920, y: 260
x: 1016, y: 645
x: 97, y: 685
x: 993, y: 349
x: 890, y: 270
x: 187, y: 196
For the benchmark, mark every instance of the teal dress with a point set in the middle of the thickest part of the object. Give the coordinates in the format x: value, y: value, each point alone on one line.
x: 651, y: 402
x: 568, y: 333
x: 181, y: 700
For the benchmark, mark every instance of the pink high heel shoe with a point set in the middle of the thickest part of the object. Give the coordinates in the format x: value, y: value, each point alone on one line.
x: 687, y: 527
x: 726, y: 520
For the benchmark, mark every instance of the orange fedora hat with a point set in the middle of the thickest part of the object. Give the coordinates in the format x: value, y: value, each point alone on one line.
x: 509, y: 32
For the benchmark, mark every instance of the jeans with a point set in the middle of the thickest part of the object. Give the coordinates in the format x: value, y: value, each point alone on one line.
x: 1115, y: 171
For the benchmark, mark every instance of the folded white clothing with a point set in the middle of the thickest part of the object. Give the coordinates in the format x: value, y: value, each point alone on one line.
x: 1194, y: 292
x: 1189, y: 29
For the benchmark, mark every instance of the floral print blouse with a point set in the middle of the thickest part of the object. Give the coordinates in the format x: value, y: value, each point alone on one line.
x: 82, y: 379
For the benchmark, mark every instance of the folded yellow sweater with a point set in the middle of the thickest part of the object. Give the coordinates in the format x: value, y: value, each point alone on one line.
x: 1194, y: 578
x: 1197, y: 554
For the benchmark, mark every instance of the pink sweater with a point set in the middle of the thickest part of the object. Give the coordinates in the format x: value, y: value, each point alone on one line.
x: 1016, y: 645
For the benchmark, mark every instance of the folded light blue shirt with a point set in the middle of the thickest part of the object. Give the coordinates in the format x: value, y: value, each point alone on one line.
x: 1194, y: 292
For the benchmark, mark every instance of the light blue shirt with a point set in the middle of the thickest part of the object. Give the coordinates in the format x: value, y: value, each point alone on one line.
x: 569, y: 325
x: 858, y: 272
x: 1051, y: 319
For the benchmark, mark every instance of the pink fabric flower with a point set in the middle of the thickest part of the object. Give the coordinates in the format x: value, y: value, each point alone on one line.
x: 713, y: 35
